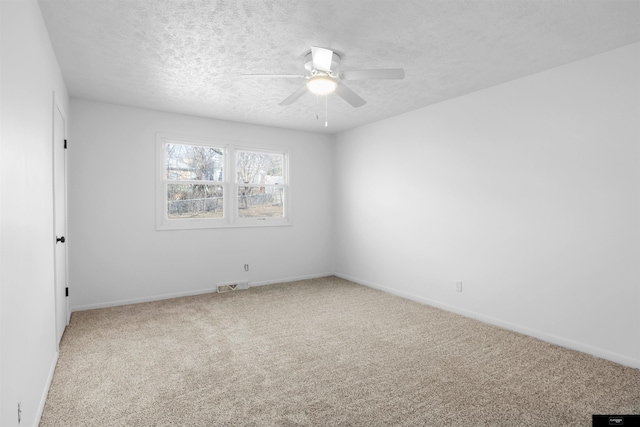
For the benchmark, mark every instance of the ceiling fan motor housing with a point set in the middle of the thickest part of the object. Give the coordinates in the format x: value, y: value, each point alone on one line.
x: 308, y: 62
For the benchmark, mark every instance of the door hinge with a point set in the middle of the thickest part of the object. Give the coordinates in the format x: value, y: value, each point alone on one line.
x: 65, y: 143
x: 66, y: 291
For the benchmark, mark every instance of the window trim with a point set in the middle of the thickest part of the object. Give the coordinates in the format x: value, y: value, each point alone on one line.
x: 229, y: 184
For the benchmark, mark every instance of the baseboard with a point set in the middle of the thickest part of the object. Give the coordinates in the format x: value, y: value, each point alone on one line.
x: 291, y: 279
x: 45, y: 392
x: 553, y: 339
x: 190, y: 293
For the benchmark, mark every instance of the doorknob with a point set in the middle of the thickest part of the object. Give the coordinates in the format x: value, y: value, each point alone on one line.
x: 60, y: 239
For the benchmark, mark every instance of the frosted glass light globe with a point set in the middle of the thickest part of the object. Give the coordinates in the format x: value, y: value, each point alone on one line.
x: 322, y: 85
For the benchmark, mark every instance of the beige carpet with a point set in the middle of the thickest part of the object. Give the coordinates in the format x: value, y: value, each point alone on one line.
x: 322, y: 352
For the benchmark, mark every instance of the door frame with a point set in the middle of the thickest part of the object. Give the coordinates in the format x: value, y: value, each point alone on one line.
x: 58, y: 109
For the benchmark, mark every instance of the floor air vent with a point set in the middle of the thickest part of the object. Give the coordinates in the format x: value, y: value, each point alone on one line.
x: 233, y: 287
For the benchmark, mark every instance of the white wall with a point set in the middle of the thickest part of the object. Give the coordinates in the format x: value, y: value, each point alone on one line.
x: 527, y: 192
x: 29, y: 77
x: 115, y: 253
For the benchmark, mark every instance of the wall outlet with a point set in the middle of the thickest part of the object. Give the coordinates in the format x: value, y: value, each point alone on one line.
x: 19, y: 412
x: 458, y: 286
x: 246, y: 267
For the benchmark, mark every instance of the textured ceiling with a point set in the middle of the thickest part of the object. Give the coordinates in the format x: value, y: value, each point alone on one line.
x: 188, y: 56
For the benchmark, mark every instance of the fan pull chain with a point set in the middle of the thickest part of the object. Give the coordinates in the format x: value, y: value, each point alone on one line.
x: 326, y: 115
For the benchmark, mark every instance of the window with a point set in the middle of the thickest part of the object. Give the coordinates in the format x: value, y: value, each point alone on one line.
x: 260, y: 179
x: 209, y: 184
x: 193, y: 177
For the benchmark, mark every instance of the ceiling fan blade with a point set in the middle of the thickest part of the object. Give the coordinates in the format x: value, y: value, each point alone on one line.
x: 389, y: 73
x: 350, y: 96
x: 321, y: 58
x: 296, y: 76
x: 295, y: 95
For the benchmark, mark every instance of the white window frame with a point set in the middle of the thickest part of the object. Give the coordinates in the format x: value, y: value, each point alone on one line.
x: 230, y: 218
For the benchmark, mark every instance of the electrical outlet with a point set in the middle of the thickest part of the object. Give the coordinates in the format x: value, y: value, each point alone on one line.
x: 458, y: 286
x: 246, y: 267
x: 19, y: 412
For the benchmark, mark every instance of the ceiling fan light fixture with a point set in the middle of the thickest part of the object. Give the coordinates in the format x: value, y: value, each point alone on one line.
x: 322, y: 84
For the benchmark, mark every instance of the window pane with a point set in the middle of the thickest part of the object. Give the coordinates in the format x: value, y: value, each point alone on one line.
x: 260, y: 202
x: 194, y: 201
x: 190, y: 162
x: 259, y: 168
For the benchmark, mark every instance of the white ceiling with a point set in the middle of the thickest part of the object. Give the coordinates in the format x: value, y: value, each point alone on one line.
x: 188, y: 56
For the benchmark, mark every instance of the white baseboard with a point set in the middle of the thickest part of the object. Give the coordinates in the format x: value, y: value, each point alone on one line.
x: 45, y: 392
x: 291, y: 279
x: 143, y: 299
x: 189, y: 293
x: 553, y: 339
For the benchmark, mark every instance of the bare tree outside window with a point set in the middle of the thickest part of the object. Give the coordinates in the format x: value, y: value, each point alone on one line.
x: 260, y: 178
x: 195, y: 170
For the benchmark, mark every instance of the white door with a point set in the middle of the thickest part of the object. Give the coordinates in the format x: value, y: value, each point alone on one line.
x: 60, y: 221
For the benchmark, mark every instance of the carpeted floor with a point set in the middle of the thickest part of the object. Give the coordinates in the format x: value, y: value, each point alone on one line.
x: 321, y: 352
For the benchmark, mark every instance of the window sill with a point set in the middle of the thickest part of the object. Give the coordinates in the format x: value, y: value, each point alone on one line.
x: 203, y: 224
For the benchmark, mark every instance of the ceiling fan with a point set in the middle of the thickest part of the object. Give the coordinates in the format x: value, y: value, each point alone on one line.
x: 324, y: 77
